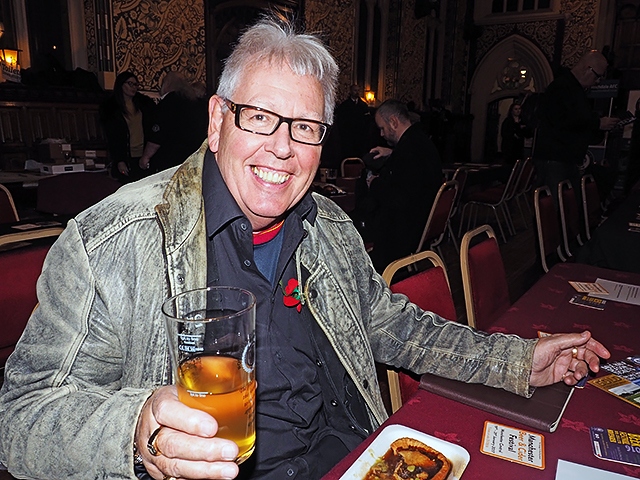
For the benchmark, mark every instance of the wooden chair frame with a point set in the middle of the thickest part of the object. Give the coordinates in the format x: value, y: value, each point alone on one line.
x: 464, y: 267
x: 536, y: 205
x: 350, y: 160
x: 565, y: 218
x: 387, y: 275
x: 7, y: 193
x: 451, y: 184
x: 586, y: 179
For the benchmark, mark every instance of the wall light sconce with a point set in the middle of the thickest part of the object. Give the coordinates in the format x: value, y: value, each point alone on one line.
x: 10, y: 64
x: 370, y: 97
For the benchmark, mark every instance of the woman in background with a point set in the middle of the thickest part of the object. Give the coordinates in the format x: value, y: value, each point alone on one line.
x: 513, y: 132
x: 127, y: 118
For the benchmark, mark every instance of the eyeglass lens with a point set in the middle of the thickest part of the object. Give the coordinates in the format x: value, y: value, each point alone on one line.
x: 264, y: 122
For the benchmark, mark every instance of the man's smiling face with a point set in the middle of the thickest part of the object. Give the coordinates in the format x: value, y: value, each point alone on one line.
x: 267, y: 175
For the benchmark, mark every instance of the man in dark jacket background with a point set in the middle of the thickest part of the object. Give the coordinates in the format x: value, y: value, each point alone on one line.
x: 406, y: 186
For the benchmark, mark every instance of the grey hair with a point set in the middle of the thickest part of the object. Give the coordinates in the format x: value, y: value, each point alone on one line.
x: 274, y: 41
x: 391, y: 107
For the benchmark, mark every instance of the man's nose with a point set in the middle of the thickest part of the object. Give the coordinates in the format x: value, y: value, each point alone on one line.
x: 281, y: 140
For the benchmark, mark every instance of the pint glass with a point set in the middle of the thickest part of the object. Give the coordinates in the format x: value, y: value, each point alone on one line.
x: 211, y: 335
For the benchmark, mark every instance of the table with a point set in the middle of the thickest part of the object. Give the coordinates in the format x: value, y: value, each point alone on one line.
x: 544, y: 307
x: 31, y: 229
x: 612, y: 245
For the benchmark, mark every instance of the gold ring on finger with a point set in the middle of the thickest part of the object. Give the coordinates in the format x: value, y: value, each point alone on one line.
x: 574, y: 352
x: 152, y: 445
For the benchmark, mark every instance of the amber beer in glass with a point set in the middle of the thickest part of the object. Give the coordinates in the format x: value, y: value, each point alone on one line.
x: 211, y: 335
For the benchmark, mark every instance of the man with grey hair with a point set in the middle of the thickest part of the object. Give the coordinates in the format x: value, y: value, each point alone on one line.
x: 88, y: 391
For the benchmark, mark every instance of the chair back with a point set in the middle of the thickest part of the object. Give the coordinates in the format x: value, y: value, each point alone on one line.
x: 439, y: 216
x: 351, y: 167
x: 429, y: 289
x: 484, y: 279
x: 71, y: 193
x: 549, y: 238
x: 8, y: 212
x: 591, y: 209
x: 19, y: 271
x: 525, y: 176
x: 348, y: 184
x: 569, y: 216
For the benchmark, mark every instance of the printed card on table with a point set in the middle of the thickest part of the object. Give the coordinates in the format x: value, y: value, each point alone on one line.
x: 584, y: 300
x: 513, y: 444
x: 588, y: 287
x: 617, y: 446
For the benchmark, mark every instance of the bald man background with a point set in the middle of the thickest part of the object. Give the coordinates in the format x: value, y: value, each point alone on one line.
x: 568, y: 124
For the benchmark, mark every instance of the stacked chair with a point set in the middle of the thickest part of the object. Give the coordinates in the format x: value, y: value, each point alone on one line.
x: 430, y: 290
x: 494, y: 198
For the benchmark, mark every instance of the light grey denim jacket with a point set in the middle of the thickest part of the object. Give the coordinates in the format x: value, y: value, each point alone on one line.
x: 95, y: 348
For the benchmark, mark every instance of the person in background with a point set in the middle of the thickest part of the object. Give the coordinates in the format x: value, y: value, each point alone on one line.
x: 127, y: 117
x: 352, y: 124
x: 180, y: 126
x: 88, y: 387
x: 403, y: 191
x: 513, y: 132
x: 567, y: 123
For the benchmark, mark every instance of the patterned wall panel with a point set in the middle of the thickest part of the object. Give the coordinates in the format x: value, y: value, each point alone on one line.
x: 152, y: 37
x: 580, y: 28
x: 90, y: 32
x: 335, y: 21
x: 393, y: 49
x: 580, y: 18
x: 411, y: 53
x: 543, y: 34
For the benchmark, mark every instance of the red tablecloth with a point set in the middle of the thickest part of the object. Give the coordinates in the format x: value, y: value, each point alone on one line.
x: 545, y: 307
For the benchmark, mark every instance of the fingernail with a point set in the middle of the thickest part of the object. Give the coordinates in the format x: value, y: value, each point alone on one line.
x: 229, y: 452
x: 228, y: 472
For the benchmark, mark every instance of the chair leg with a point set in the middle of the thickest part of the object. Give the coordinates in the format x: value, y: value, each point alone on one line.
x: 495, y: 211
x: 453, y: 238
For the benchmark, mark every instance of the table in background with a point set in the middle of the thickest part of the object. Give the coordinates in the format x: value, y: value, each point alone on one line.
x: 545, y: 307
x: 612, y: 245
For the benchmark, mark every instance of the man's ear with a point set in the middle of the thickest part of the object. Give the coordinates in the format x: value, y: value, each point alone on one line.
x: 216, y: 114
x: 394, y: 122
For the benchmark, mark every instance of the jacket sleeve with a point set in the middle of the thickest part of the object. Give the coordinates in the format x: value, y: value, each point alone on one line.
x: 63, y: 411
x: 403, y: 335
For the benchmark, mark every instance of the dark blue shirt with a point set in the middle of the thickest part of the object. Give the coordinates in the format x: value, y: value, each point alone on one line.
x: 308, y: 413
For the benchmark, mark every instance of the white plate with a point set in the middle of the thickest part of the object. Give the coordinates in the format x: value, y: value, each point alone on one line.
x: 458, y: 455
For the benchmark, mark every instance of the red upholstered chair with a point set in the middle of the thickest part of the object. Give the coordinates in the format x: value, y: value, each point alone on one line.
x: 569, y: 217
x: 429, y: 289
x: 592, y: 211
x: 19, y: 271
x: 439, y: 217
x: 71, y: 193
x: 8, y: 212
x: 549, y: 237
x: 484, y: 279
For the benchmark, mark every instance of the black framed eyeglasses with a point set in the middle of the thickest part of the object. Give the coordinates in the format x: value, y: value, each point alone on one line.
x: 264, y: 122
x: 599, y: 76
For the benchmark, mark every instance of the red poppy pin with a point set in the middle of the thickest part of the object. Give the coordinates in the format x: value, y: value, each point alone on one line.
x: 292, y: 294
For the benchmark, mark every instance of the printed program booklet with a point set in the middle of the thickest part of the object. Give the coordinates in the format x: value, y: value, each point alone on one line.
x: 617, y: 446
x: 623, y: 380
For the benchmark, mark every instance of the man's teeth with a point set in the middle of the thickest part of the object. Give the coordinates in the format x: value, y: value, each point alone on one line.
x: 270, y: 177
